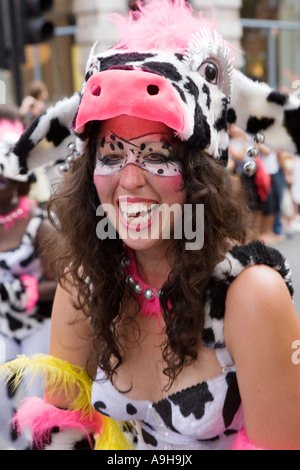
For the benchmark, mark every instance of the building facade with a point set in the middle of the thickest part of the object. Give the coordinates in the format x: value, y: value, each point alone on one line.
x: 93, y: 23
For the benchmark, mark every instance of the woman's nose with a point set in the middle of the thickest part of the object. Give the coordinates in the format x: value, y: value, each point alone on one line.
x: 132, y: 177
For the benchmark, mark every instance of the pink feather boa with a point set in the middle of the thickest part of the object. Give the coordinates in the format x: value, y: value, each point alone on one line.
x: 30, y: 284
x: 41, y: 418
x: 242, y: 442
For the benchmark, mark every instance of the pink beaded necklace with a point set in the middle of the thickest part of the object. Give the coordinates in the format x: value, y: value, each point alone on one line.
x: 148, y: 296
x: 20, y: 212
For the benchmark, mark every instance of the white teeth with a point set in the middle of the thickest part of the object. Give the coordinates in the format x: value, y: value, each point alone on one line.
x: 136, y: 213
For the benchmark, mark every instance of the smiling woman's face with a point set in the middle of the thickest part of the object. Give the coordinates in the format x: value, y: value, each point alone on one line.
x: 138, y: 180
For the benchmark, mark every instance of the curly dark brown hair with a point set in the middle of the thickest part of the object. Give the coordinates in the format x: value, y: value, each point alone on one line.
x: 82, y: 258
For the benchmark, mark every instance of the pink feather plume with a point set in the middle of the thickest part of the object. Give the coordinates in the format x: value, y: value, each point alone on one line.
x: 162, y: 25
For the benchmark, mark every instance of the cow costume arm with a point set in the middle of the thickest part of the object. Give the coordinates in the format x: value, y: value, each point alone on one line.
x: 257, y: 108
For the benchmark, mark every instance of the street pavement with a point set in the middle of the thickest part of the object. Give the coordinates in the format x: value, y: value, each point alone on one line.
x: 290, y: 248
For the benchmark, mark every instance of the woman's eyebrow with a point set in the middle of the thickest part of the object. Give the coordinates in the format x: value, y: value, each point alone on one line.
x: 164, y: 137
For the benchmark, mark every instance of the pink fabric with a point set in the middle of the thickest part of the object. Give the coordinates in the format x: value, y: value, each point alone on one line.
x: 31, y: 286
x: 262, y: 180
x: 10, y: 130
x: 101, y: 99
x: 20, y: 212
x: 242, y: 442
x: 41, y: 418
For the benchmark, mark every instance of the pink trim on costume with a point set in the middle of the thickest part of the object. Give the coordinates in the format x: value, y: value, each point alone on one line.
x: 242, y: 442
x: 31, y: 286
x: 20, y: 212
x: 41, y: 418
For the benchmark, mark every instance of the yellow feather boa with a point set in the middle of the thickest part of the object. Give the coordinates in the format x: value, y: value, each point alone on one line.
x: 74, y: 381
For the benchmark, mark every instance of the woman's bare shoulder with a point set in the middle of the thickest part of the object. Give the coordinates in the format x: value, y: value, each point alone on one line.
x: 71, y: 334
x: 261, y: 326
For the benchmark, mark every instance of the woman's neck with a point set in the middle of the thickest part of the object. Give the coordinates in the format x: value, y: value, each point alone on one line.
x: 154, y: 266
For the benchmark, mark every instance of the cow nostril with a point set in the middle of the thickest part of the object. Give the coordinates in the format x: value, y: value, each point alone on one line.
x: 152, y: 90
x: 96, y: 90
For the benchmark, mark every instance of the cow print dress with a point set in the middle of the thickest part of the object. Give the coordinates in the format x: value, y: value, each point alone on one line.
x: 208, y: 415
x: 15, y: 322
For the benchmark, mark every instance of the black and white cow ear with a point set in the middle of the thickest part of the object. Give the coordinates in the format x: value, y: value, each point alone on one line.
x: 257, y: 108
x: 48, y: 139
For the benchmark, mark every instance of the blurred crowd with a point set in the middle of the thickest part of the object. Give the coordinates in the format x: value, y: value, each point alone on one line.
x: 272, y: 191
x: 27, y: 283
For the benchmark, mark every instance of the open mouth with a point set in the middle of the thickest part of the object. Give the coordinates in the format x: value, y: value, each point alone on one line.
x: 137, y: 214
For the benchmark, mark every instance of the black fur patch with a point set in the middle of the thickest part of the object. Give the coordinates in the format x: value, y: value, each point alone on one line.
x: 223, y: 156
x: 182, y: 95
x: 208, y: 336
x: 24, y: 146
x: 291, y: 123
x: 123, y: 59
x: 57, y: 132
x: 192, y: 88
x: 231, y: 116
x: 14, y: 324
x: 256, y: 125
x: 278, y: 98
x: 179, y: 57
x: 169, y: 71
x: 221, y: 123
x: 201, y: 137
x: 206, y: 90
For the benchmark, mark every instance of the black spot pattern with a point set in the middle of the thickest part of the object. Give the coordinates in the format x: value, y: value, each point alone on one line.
x: 164, y: 409
x: 148, y: 438
x: 231, y: 116
x: 278, y: 98
x: 256, y: 125
x: 119, y: 60
x: 201, y: 137
x: 163, y: 68
x: 291, y: 123
x: 100, y: 406
x: 193, y: 402
x: 206, y: 90
x: 131, y: 410
x: 57, y: 132
x: 232, y: 400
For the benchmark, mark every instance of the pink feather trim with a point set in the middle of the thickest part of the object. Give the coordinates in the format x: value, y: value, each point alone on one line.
x: 242, y: 442
x: 159, y: 24
x: 41, y: 418
x: 31, y: 286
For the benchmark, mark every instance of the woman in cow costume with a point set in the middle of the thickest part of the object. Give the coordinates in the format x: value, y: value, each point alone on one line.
x: 162, y: 342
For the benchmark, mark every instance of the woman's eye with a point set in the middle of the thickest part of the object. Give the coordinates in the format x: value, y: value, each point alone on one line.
x: 111, y: 159
x: 210, y: 72
x: 156, y: 158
